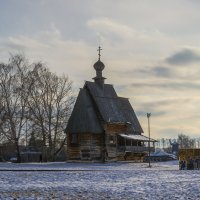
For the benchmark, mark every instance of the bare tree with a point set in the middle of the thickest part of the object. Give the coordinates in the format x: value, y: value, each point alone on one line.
x: 13, y: 100
x: 36, y: 101
x: 185, y: 141
x: 50, y: 102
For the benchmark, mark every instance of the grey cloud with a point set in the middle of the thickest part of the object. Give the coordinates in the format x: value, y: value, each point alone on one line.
x: 162, y: 71
x: 158, y: 71
x: 183, y: 57
x: 172, y: 85
x: 156, y: 104
x: 160, y: 108
x: 157, y: 108
x: 167, y: 102
x: 11, y: 45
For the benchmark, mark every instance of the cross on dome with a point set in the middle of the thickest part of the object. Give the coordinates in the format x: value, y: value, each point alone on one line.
x: 99, y: 50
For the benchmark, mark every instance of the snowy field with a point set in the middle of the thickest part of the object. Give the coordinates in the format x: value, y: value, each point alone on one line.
x: 98, y: 181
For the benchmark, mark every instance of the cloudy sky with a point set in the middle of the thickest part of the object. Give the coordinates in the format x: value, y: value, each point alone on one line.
x: 151, y: 50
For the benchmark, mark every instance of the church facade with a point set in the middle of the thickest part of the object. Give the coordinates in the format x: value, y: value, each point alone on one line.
x: 103, y: 126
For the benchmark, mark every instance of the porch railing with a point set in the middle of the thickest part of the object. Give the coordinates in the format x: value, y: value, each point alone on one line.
x: 134, y: 148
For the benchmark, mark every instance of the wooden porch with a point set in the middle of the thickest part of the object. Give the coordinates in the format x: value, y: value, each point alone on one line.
x: 135, y: 149
x: 134, y: 144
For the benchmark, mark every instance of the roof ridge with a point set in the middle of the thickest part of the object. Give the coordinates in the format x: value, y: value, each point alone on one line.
x: 106, y: 97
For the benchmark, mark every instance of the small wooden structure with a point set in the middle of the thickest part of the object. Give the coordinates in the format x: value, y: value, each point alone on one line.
x: 103, y: 126
x: 31, y: 154
x: 160, y: 156
x: 191, y: 157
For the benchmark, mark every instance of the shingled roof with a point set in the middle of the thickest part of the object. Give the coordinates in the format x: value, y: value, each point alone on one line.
x: 84, y: 118
x: 96, y: 105
x: 113, y: 109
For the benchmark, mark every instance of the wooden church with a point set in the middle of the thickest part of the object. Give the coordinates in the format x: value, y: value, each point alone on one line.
x: 103, y: 126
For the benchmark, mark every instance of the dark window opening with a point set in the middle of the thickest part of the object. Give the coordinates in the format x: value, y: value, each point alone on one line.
x: 74, y: 139
x: 128, y: 142
x: 111, y: 139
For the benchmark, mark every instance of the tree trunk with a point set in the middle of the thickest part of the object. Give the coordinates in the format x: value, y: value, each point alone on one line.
x: 18, y: 151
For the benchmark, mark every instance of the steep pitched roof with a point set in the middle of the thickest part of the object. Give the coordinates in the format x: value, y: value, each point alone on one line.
x: 113, y: 108
x: 95, y: 104
x: 130, y: 115
x: 84, y: 118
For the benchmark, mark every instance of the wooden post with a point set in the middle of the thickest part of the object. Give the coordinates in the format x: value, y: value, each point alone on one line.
x: 137, y: 145
x: 148, y: 117
x: 104, y: 148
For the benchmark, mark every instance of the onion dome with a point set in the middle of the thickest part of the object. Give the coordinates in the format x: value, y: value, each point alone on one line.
x: 99, y: 66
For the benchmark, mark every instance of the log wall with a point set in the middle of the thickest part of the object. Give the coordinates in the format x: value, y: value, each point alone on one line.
x: 73, y: 150
x: 88, y: 147
x: 112, y: 130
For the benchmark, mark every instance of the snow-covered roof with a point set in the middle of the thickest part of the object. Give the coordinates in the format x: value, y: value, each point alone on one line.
x: 137, y: 137
x: 162, y: 153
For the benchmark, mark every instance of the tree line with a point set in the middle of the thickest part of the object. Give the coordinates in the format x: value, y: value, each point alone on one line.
x: 183, y: 140
x: 35, y: 105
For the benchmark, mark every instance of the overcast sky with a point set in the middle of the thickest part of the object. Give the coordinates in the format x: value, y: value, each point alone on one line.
x: 151, y: 50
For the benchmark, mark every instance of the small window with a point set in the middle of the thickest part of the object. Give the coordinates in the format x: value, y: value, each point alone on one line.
x: 74, y: 139
x: 111, y: 139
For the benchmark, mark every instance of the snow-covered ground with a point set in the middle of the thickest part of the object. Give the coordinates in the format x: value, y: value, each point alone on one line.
x: 98, y: 181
